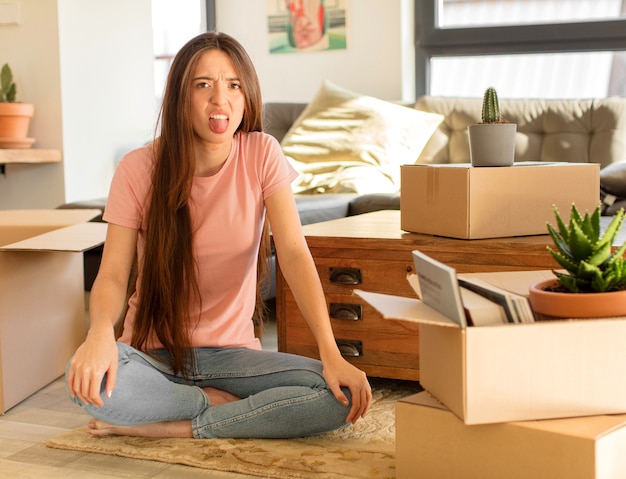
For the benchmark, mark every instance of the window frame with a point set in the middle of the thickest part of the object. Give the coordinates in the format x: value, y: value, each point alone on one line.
x: 211, y: 15
x: 433, y: 41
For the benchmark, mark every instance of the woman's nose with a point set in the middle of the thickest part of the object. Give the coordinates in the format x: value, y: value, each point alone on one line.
x: 219, y: 94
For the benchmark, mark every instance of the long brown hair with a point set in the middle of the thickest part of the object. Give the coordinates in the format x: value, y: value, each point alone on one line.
x: 169, y: 283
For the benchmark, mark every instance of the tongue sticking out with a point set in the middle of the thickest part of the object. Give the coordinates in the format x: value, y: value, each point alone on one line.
x: 218, y: 124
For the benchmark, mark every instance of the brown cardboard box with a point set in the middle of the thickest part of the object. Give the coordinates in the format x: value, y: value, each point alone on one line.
x: 460, y: 201
x: 432, y: 443
x: 516, y: 372
x: 42, y: 305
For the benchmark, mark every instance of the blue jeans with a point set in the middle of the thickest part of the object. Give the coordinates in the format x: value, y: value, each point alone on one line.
x: 283, y: 395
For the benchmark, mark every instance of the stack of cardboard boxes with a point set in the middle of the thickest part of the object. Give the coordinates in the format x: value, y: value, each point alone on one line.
x: 534, y: 400
x: 528, y: 400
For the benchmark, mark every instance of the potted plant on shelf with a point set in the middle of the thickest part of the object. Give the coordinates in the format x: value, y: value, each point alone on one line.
x: 492, y: 142
x: 14, y: 116
x: 594, y: 282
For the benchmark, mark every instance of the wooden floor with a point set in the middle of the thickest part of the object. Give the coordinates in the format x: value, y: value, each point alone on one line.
x: 25, y: 428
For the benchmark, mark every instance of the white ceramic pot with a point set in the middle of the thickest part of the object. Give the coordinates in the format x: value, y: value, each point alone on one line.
x: 492, y: 144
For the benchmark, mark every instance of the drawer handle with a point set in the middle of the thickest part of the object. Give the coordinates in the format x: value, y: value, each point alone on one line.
x: 350, y: 347
x: 346, y: 311
x: 345, y: 275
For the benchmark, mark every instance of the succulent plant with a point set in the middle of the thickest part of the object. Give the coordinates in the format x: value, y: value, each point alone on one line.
x: 587, y: 255
x: 491, y: 107
x: 8, y: 89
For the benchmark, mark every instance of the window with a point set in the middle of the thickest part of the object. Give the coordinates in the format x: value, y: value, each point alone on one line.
x: 174, y: 22
x: 540, y: 75
x: 523, y: 48
x: 481, y: 13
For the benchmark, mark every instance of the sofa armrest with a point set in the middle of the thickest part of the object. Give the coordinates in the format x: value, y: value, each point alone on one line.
x: 278, y: 117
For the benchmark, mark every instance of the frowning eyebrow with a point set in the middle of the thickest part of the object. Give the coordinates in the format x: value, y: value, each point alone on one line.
x: 215, y: 79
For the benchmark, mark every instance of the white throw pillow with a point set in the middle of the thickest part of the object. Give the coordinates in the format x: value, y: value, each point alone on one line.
x: 347, y: 142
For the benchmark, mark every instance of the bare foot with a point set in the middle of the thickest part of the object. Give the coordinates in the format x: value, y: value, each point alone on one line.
x: 219, y: 396
x: 152, y: 429
x: 96, y: 427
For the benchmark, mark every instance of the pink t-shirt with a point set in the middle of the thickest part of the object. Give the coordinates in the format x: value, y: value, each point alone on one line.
x: 227, y: 212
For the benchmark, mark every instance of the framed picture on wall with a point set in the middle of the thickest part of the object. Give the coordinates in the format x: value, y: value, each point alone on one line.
x: 306, y: 25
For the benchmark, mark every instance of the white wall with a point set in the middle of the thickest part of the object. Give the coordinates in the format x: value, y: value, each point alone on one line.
x: 378, y: 41
x: 31, y: 49
x: 87, y: 66
x: 107, y: 88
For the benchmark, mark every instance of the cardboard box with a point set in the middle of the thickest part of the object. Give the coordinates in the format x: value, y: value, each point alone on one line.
x: 42, y: 306
x: 432, y: 443
x: 516, y: 372
x: 461, y: 201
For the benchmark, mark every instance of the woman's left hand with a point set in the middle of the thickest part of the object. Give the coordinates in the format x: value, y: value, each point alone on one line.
x: 340, y: 373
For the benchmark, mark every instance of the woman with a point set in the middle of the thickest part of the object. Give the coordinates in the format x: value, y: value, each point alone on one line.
x: 191, y: 208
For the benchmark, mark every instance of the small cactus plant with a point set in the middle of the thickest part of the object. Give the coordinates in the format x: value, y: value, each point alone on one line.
x: 591, y: 264
x: 491, y: 107
x: 8, y: 90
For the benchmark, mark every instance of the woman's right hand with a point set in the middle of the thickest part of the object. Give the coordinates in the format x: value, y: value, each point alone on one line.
x: 94, y: 359
x: 97, y: 356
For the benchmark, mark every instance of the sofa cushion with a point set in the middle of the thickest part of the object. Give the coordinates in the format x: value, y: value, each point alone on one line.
x: 347, y: 142
x: 613, y: 187
x: 613, y: 179
x: 317, y: 208
x: 374, y: 202
x: 577, y: 131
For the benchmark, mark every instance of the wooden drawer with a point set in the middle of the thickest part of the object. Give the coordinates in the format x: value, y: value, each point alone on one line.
x: 385, y: 348
x: 342, y: 275
x: 370, y: 321
x: 382, y: 355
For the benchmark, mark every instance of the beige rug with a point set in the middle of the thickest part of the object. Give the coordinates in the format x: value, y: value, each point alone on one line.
x: 365, y: 450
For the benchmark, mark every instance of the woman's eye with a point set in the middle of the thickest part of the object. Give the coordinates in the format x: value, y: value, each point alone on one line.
x: 210, y: 84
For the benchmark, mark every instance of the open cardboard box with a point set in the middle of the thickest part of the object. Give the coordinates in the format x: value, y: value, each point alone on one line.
x: 42, y: 306
x: 432, y: 443
x: 516, y: 372
x: 462, y: 201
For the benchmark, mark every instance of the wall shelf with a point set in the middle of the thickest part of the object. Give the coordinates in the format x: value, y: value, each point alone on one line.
x: 29, y: 155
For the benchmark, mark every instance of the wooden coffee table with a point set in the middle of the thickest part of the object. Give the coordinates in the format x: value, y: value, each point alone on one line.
x: 371, y: 253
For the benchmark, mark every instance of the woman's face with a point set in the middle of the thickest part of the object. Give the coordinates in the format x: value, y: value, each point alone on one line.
x: 217, y: 100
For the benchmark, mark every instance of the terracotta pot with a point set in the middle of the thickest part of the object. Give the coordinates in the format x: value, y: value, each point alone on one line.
x: 14, y: 124
x: 575, y: 305
x: 492, y: 144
